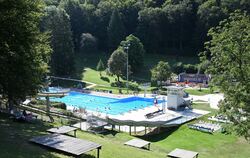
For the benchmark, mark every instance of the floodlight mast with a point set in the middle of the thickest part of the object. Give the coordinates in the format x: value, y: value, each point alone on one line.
x: 126, y: 47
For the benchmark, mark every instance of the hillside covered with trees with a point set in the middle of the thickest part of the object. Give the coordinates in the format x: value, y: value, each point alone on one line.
x: 169, y: 27
x: 163, y: 26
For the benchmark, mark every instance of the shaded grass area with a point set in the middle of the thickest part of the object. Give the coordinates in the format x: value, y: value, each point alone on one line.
x: 14, y: 142
x: 14, y: 138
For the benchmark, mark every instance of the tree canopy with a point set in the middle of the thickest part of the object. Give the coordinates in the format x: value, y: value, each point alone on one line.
x: 170, y: 27
x: 117, y: 63
x: 229, y: 54
x: 135, y: 52
x: 161, y: 72
x: 24, y: 49
x: 57, y: 23
x: 88, y: 43
x: 116, y: 31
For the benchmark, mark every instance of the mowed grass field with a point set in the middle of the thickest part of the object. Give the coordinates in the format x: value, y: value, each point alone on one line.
x: 86, y: 67
x: 14, y: 142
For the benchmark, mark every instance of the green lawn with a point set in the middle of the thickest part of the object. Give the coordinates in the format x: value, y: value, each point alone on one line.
x: 86, y: 69
x: 86, y: 66
x: 93, y: 76
x: 203, y: 106
x: 14, y: 142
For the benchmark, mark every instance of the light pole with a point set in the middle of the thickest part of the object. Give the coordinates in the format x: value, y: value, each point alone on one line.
x: 126, y: 47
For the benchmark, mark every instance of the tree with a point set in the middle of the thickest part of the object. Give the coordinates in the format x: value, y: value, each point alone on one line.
x: 161, y: 72
x: 73, y: 9
x: 181, y: 18
x: 100, y: 67
x: 103, y: 13
x: 116, y: 30
x: 117, y: 63
x: 228, y: 52
x: 209, y: 15
x: 57, y: 22
x: 88, y: 43
x: 135, y: 52
x: 150, y: 27
x: 129, y: 11
x: 24, y: 49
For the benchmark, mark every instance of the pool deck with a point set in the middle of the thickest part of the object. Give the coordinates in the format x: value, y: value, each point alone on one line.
x: 170, y: 117
x: 121, y: 96
x: 111, y: 95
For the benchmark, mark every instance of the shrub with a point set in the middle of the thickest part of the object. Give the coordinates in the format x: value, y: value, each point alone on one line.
x: 131, y: 86
x: 134, y: 87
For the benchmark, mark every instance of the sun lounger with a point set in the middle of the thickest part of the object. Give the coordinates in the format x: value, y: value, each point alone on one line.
x: 154, y: 114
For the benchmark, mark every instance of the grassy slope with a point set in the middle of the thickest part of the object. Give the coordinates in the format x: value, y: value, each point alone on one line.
x: 209, y: 146
x: 86, y: 68
x: 94, y: 76
x: 86, y: 65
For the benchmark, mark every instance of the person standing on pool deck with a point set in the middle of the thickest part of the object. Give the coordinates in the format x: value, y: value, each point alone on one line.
x: 156, y: 103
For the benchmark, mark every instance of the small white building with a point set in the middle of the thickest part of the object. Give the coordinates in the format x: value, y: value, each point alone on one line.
x: 175, y: 97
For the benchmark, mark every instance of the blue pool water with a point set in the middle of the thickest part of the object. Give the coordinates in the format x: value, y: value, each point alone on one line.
x: 107, y: 105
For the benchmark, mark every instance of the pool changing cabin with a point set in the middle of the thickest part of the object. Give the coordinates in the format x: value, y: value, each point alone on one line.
x: 175, y: 99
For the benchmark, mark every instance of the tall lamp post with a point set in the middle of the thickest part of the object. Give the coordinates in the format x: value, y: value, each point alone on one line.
x: 126, y: 47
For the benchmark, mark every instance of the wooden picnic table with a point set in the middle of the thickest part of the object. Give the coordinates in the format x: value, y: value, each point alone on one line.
x: 138, y: 143
x: 63, y: 130
x: 70, y: 145
x: 181, y: 153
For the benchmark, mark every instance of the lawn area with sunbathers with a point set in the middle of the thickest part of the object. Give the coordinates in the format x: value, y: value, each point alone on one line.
x: 14, y: 138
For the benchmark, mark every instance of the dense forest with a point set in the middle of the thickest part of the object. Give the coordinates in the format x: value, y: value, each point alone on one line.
x: 163, y: 26
x: 169, y: 27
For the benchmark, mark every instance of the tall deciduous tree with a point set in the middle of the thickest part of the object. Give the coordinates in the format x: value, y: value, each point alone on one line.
x: 24, y: 49
x: 117, y: 63
x: 116, y: 30
x: 161, y: 72
x: 135, y: 52
x: 57, y: 22
x: 229, y: 55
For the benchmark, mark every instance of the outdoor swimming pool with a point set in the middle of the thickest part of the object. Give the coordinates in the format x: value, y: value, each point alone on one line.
x: 105, y: 105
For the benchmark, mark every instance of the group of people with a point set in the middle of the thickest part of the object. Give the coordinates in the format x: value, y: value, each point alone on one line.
x: 22, y: 116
